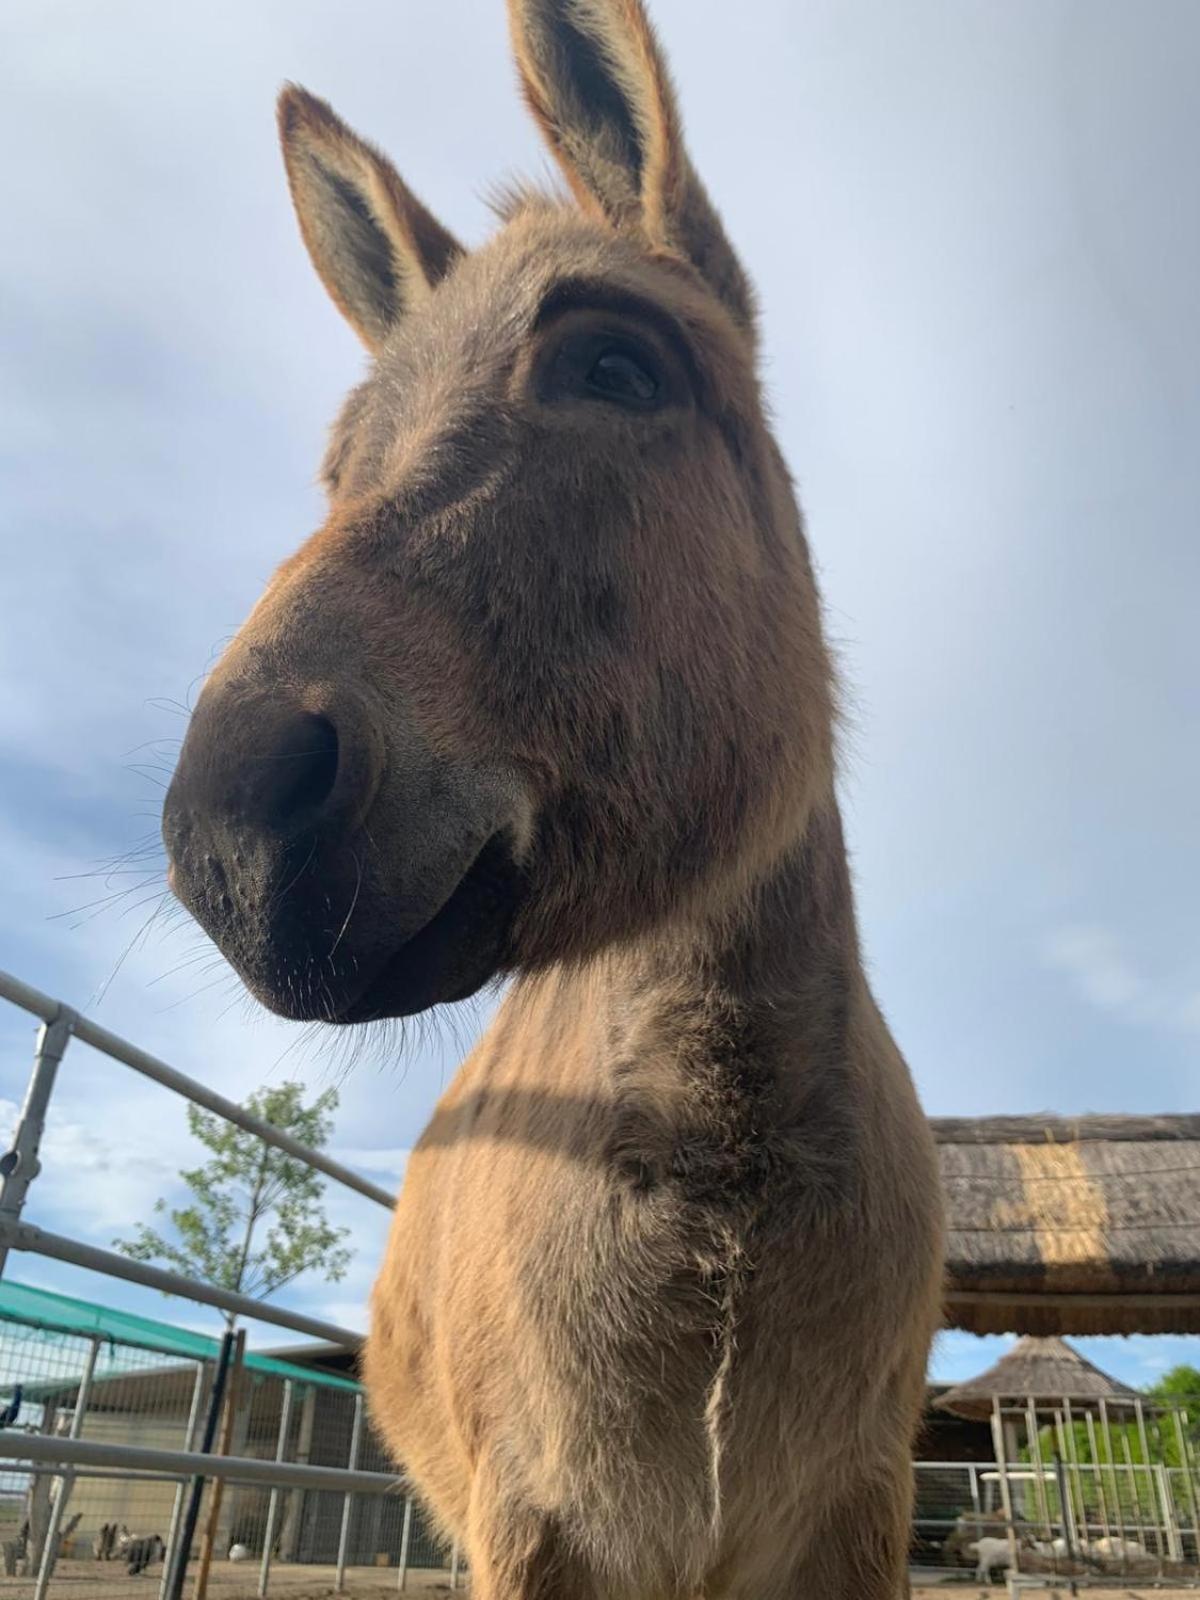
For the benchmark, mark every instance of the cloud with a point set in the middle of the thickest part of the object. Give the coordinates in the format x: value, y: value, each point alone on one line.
x: 386, y: 1162
x: 98, y: 1175
x: 1092, y: 958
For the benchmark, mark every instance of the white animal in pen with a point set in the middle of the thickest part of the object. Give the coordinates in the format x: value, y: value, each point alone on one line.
x: 1110, y: 1553
x: 990, y: 1555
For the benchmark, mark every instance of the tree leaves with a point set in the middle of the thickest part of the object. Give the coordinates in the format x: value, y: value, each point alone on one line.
x: 255, y: 1220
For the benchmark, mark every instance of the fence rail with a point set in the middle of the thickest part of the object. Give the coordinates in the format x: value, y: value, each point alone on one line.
x: 187, y: 1463
x: 25, y: 1236
x: 320, y: 1501
x: 112, y: 1045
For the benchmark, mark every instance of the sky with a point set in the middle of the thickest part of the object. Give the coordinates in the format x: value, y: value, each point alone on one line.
x: 975, y: 230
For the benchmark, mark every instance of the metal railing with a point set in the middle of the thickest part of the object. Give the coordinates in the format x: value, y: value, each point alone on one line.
x: 69, y: 1458
x: 1083, y: 1491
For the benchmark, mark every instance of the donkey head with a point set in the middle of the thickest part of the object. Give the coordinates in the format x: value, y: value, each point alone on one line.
x: 551, y: 674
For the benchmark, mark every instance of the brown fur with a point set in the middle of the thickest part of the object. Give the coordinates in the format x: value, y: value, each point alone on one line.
x: 655, y: 1313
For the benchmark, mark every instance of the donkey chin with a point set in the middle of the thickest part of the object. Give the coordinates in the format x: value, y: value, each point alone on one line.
x: 279, y: 856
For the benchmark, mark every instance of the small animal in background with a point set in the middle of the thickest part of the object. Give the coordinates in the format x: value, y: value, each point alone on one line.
x: 239, y: 1552
x: 105, y: 1542
x: 12, y: 1410
x: 141, y: 1551
x: 990, y: 1554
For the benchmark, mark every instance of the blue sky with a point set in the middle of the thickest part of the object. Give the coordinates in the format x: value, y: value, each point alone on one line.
x: 976, y: 232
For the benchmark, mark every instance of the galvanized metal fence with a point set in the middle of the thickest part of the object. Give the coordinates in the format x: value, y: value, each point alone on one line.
x: 1093, y: 1491
x: 121, y: 1452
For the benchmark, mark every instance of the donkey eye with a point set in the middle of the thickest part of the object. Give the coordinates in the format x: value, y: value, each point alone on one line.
x: 619, y: 374
x: 596, y: 364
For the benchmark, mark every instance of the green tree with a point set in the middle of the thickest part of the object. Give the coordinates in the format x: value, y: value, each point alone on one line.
x: 1179, y: 1387
x: 255, y: 1219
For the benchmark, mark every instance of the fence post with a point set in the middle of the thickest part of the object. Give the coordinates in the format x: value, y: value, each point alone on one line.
x: 186, y: 1532
x: 405, y: 1538
x: 976, y: 1502
x: 1005, y: 1488
x: 189, y: 1443
x: 49, y: 1552
x: 1072, y: 1454
x: 1064, y: 1502
x: 1189, y: 1476
x: 285, y: 1422
x: 1101, y: 1497
x: 347, y: 1503
x: 209, y: 1539
x: 1114, y: 1483
x: 1144, y: 1441
x: 454, y: 1565
x: 1035, y: 1461
x: 19, y: 1165
x: 1139, y: 1519
x: 1170, y: 1528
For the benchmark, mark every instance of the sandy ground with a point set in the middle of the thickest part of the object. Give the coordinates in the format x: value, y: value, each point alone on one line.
x: 80, y: 1580
x: 1059, y: 1587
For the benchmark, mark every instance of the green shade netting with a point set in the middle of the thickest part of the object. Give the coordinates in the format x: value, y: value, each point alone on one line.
x: 60, y: 1313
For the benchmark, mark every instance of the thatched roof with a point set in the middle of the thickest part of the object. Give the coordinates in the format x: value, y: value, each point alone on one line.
x: 1048, y: 1370
x: 1075, y: 1226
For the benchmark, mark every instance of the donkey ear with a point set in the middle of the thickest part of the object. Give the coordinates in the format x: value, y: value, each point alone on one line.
x: 377, y: 249
x: 595, y: 79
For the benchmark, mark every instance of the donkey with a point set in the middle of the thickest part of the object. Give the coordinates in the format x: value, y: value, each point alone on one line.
x: 546, y: 699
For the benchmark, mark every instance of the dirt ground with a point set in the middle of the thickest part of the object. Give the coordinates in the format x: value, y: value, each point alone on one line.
x: 1055, y: 1587
x: 108, y: 1580
x: 81, y: 1580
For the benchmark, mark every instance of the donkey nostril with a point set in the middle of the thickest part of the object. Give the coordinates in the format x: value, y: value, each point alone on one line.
x: 302, y: 771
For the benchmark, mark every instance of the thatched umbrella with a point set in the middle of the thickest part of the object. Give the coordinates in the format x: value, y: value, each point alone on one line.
x: 1048, y: 1371
x: 1037, y: 1376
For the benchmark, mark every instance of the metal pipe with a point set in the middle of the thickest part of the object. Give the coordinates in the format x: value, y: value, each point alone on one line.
x: 1144, y: 1440
x: 178, y: 1557
x: 45, y: 1469
x: 25, y: 1236
x: 111, y: 1044
x: 1067, y: 1503
x: 1073, y: 1467
x: 405, y: 1539
x: 454, y: 1565
x: 1189, y: 1475
x: 347, y: 1502
x: 1140, y: 1521
x: 1113, y: 1482
x: 1005, y: 1488
x: 1068, y: 1517
x: 1101, y: 1497
x: 15, y: 1446
x: 67, y: 1481
x: 229, y: 1412
x: 19, y: 1165
x: 285, y: 1422
x: 976, y: 1504
x: 189, y: 1442
x: 1167, y: 1503
x: 1035, y: 1460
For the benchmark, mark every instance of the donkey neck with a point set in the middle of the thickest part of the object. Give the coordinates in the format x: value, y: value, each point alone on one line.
x: 718, y: 1042
x: 785, y: 962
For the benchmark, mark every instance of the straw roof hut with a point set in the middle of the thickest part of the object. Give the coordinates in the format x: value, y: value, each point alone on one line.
x: 1072, y: 1226
x: 1047, y: 1371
